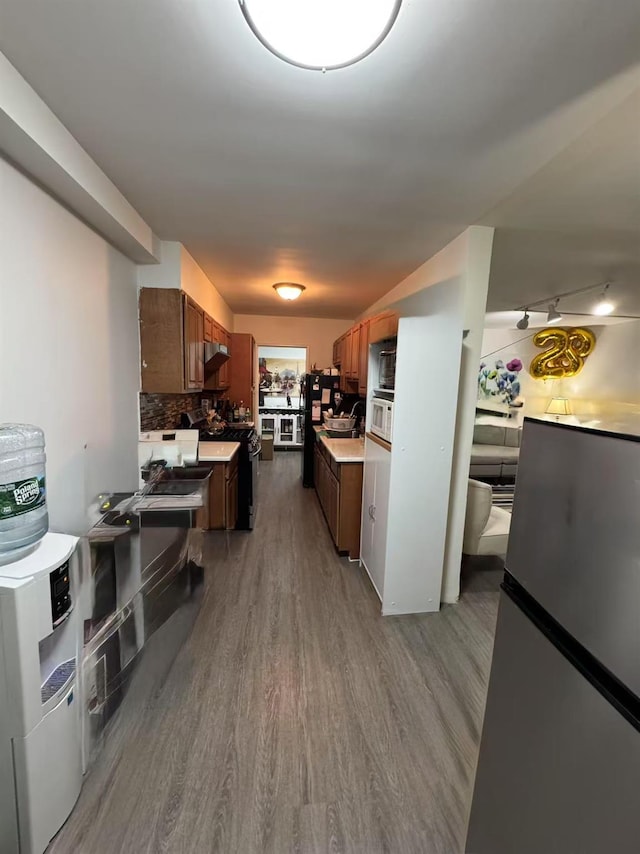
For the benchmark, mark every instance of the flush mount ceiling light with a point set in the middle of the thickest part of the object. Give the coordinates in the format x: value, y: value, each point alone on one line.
x: 523, y: 323
x: 553, y: 315
x: 288, y: 290
x: 320, y: 34
x: 604, y: 307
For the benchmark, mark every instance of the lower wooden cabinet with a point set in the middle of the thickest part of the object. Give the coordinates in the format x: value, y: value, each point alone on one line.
x: 339, y: 489
x: 223, y: 495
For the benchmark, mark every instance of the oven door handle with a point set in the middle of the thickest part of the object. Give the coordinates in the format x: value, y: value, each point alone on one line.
x: 257, y: 451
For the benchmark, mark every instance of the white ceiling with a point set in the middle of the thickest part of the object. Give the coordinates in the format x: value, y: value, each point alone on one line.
x: 345, y: 181
x: 576, y: 222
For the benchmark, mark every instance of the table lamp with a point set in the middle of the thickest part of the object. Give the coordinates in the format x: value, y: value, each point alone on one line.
x: 558, y: 406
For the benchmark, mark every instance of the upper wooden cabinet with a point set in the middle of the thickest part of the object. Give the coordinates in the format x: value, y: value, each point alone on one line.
x: 171, y: 341
x: 336, y: 352
x: 194, y: 345
x: 383, y: 326
x: 363, y: 358
x: 173, y: 331
x: 242, y: 368
x: 208, y: 328
x: 355, y: 352
x: 351, y: 350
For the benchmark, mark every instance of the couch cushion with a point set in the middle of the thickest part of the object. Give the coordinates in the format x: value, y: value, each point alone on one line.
x: 493, y: 454
x: 512, y: 436
x: 488, y: 434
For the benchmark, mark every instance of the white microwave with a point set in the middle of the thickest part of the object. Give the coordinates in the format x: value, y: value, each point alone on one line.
x: 382, y: 417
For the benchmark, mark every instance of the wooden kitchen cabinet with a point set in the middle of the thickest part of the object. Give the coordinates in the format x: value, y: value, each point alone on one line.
x: 242, y: 377
x: 194, y: 345
x: 171, y: 341
x: 208, y: 328
x: 355, y: 352
x: 351, y: 350
x: 347, y: 354
x: 339, y: 490
x: 219, y: 380
x: 224, y: 371
x: 382, y: 327
x: 223, y: 495
x: 363, y: 358
x: 336, y: 353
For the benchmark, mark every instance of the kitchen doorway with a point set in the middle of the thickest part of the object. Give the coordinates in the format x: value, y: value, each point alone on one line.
x: 281, y: 371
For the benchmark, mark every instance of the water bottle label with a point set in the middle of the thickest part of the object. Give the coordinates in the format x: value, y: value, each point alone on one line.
x: 21, y: 496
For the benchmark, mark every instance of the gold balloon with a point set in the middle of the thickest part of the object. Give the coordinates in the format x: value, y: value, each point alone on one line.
x: 564, y: 352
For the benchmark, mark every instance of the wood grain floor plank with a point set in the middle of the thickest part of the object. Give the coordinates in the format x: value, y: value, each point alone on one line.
x: 295, y: 718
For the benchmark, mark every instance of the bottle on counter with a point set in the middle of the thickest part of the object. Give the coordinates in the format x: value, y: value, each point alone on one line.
x: 236, y: 412
x: 242, y: 412
x: 247, y: 416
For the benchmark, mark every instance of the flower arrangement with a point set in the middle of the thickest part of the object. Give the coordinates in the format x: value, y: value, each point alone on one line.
x: 500, y: 382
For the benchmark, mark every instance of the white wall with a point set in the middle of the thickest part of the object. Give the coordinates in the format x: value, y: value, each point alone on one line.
x: 34, y: 138
x: 68, y: 347
x: 315, y: 333
x: 201, y: 289
x: 178, y: 269
x: 606, y: 389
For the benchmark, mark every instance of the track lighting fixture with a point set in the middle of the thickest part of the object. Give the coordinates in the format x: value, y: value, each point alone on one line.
x: 553, y: 315
x: 603, y: 307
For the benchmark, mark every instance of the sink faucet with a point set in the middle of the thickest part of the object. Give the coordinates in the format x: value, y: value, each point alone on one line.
x: 354, y: 407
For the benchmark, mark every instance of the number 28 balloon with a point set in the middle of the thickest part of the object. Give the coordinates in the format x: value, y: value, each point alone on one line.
x: 564, y: 352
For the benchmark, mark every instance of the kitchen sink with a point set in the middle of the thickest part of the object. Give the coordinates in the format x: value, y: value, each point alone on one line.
x: 189, y: 473
x: 177, y: 476
x: 174, y: 487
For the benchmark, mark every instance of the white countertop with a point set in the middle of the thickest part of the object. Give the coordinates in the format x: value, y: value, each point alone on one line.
x: 217, y: 452
x: 343, y: 450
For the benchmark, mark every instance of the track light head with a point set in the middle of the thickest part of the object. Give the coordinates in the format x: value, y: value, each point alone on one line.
x: 604, y: 306
x: 553, y: 315
x: 523, y: 323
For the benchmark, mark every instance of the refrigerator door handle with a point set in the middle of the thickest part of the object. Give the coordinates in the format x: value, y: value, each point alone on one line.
x: 612, y: 689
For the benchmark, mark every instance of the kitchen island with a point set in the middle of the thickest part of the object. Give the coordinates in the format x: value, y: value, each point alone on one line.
x: 338, y: 466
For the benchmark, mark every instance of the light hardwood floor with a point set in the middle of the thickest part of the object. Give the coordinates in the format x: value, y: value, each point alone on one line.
x: 295, y: 718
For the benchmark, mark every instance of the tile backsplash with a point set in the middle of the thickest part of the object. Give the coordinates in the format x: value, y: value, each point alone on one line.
x: 162, y: 411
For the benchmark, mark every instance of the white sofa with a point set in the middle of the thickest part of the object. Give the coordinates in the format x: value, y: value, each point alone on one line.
x: 486, y: 528
x: 495, y: 450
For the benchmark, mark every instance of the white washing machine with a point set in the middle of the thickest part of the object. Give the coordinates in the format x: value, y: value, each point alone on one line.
x: 40, y: 743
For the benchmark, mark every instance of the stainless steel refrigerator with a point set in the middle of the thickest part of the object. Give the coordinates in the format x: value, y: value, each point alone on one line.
x: 559, y: 764
x: 319, y: 393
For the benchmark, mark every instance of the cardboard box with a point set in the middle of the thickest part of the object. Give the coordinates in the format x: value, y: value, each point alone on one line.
x: 267, y: 448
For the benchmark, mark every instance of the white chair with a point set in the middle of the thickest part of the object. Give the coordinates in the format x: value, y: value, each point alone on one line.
x: 486, y: 528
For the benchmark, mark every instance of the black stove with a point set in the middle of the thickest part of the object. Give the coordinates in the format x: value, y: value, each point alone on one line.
x: 229, y: 434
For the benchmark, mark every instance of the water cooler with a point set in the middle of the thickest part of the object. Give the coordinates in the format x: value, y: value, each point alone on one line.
x: 40, y: 742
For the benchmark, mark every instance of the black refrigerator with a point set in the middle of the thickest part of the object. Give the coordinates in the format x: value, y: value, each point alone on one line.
x: 559, y: 764
x: 319, y: 393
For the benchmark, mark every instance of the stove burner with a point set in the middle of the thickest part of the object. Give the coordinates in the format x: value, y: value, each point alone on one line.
x: 228, y: 434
